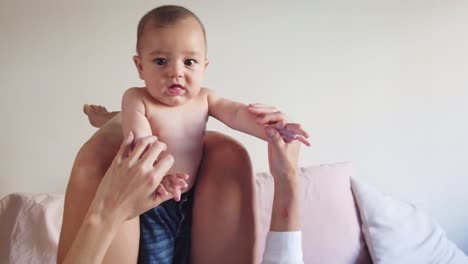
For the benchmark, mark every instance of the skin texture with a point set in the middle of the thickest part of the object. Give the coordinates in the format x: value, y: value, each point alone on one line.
x: 97, y: 154
x: 174, y: 107
x: 119, y: 197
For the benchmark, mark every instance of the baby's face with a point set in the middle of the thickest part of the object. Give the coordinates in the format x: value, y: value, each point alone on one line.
x: 172, y: 61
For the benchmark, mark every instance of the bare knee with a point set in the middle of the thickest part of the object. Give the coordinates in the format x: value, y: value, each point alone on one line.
x: 225, y: 160
x: 226, y: 171
x: 98, y: 152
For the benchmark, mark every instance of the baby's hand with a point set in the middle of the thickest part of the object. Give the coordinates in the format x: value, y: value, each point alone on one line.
x: 171, y: 186
x: 271, y: 116
x: 292, y: 131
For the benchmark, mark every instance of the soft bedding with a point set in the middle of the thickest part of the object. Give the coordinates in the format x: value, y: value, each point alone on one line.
x: 341, y: 219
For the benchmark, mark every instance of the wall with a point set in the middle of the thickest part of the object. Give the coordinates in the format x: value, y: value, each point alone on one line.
x: 379, y: 83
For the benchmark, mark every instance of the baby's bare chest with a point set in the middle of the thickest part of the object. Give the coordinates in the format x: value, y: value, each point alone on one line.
x: 181, y: 128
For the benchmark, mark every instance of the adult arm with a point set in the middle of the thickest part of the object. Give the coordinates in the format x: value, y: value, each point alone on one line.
x: 127, y: 190
x: 284, y: 241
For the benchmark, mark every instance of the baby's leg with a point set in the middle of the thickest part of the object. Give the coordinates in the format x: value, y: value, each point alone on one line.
x: 224, y: 213
x: 98, y: 115
x: 91, y: 163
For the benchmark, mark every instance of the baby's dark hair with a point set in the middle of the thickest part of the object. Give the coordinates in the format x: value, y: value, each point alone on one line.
x: 163, y: 16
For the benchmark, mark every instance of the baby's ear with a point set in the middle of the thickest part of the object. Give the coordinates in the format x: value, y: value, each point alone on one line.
x: 207, y: 62
x: 138, y: 65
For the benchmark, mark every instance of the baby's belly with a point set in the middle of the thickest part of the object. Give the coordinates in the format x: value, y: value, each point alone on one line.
x: 186, y: 160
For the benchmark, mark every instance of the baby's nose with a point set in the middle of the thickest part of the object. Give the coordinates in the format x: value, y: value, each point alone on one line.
x: 176, y: 70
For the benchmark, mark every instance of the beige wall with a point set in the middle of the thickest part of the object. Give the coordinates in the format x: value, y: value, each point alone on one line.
x: 380, y: 83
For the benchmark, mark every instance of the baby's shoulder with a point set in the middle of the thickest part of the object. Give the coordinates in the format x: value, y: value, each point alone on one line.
x: 135, y: 92
x: 206, y: 93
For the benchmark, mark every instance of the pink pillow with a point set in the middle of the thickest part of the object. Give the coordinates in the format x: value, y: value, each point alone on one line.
x: 30, y: 227
x: 329, y: 217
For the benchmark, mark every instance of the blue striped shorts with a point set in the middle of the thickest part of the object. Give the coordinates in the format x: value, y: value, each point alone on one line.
x: 165, y: 232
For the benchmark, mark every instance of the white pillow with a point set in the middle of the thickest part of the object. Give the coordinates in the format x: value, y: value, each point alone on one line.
x: 398, y: 233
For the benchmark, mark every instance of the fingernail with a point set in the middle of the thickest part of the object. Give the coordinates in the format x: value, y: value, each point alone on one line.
x: 270, y: 132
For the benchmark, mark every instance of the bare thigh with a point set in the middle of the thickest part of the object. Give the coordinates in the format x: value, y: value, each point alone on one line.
x: 91, y: 163
x: 224, y: 214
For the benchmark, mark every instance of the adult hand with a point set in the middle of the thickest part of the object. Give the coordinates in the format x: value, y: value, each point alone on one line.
x: 129, y: 187
x: 270, y: 115
x: 282, y: 156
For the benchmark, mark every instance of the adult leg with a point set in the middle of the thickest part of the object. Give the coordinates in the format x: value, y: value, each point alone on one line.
x: 224, y: 213
x: 224, y: 216
x: 91, y: 163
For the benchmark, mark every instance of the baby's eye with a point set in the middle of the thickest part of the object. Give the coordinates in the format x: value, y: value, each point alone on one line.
x: 190, y: 62
x: 160, y: 61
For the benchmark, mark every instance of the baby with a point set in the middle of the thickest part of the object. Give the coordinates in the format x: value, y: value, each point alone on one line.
x: 171, y: 48
x: 171, y: 59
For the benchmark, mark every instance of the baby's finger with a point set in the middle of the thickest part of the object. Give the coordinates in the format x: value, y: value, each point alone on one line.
x: 183, y: 176
x: 280, y: 124
x: 297, y: 129
x: 270, y: 118
x: 161, y: 191
x: 289, y: 135
x: 168, y: 184
x: 303, y: 140
x: 257, y: 105
x: 261, y: 109
x: 177, y: 193
x: 181, y: 183
x: 288, y: 138
x: 286, y: 132
x: 177, y: 180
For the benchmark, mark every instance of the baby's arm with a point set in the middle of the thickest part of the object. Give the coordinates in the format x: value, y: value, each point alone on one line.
x: 134, y: 114
x: 251, y: 119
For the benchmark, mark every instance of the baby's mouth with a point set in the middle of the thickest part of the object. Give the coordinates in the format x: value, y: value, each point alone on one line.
x: 176, y: 89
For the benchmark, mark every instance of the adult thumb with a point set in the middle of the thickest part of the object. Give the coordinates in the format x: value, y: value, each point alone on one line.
x: 273, y: 135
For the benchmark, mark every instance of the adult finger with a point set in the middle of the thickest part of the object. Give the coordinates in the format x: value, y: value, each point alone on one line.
x: 153, y: 153
x: 125, y: 148
x: 274, y: 137
x: 161, y: 167
x: 140, y: 147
